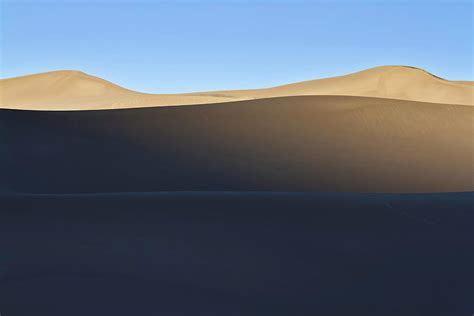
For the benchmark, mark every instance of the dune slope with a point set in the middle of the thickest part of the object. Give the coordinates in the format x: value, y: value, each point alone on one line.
x: 307, y: 143
x: 74, y: 90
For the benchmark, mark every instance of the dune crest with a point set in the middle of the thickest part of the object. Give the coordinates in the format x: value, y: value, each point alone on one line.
x: 75, y: 90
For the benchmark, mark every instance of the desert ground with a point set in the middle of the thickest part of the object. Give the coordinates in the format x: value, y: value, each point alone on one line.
x: 350, y: 195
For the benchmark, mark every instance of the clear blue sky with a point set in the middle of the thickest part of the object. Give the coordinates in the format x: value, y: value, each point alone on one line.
x: 177, y: 46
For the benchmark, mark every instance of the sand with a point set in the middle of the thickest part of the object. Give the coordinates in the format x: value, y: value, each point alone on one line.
x: 392, y: 82
x: 74, y: 90
x: 302, y: 143
x: 367, y: 132
x: 252, y: 254
x: 103, y: 234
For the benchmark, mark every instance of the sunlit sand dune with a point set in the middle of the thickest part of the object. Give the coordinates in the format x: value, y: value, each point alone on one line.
x: 392, y: 82
x: 74, y: 90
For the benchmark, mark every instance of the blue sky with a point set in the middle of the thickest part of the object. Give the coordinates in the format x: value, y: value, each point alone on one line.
x: 178, y: 46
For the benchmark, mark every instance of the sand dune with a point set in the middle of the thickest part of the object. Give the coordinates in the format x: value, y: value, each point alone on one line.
x: 392, y: 82
x: 286, y: 138
x: 73, y: 90
x: 303, y: 143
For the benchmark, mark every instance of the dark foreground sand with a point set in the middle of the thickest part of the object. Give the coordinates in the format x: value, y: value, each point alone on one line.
x: 237, y: 254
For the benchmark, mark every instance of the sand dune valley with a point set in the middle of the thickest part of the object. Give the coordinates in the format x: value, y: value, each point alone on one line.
x: 350, y: 195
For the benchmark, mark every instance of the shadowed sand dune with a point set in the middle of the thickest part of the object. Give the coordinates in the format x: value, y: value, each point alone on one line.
x: 73, y: 90
x: 305, y: 143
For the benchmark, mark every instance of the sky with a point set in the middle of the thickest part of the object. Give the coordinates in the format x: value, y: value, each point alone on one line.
x: 183, y: 46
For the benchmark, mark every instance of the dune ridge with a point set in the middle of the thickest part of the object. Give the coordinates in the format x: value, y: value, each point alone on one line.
x: 75, y: 90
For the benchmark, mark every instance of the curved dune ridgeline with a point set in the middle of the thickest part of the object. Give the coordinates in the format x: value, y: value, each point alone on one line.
x: 305, y: 143
x: 74, y: 90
